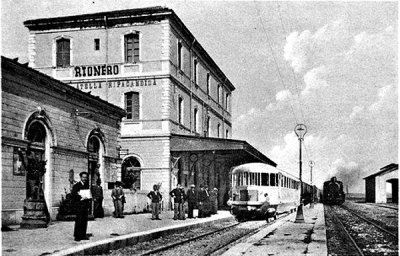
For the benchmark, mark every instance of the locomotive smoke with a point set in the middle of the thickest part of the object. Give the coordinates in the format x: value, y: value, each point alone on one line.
x: 352, y: 177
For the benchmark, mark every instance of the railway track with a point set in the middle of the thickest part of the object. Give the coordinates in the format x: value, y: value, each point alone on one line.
x: 357, y: 235
x: 211, y: 243
x: 383, y: 206
x: 208, y: 243
x: 370, y: 222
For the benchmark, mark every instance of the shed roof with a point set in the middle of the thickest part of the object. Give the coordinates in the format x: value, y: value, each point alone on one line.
x: 386, y: 169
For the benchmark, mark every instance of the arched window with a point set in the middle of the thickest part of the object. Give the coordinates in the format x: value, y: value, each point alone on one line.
x: 219, y: 130
x: 131, y: 173
x: 63, y: 49
x: 93, y: 145
x: 37, y: 133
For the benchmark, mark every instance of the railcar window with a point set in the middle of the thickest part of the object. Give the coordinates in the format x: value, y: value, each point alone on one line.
x: 251, y: 179
x: 264, y: 179
x: 276, y: 180
x: 273, y: 180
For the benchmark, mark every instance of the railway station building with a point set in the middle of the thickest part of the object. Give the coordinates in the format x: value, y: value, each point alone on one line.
x: 376, y: 185
x: 178, y: 122
x: 50, y: 133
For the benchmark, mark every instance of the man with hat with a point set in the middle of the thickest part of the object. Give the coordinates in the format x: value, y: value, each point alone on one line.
x: 81, y: 201
x: 192, y: 200
x: 118, y: 197
x: 179, y: 199
x: 202, y: 201
x: 214, y: 201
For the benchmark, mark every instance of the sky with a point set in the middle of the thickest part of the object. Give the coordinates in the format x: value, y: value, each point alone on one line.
x: 332, y: 66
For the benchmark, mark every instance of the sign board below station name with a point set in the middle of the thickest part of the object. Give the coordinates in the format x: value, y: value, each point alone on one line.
x: 115, y: 84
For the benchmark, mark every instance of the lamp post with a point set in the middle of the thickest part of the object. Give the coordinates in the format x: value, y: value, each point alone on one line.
x: 300, y: 131
x: 311, y: 164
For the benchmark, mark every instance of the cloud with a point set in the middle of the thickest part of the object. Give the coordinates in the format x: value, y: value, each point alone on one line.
x: 283, y: 95
x: 387, y: 96
x: 357, y: 110
x: 314, y: 79
x: 305, y: 50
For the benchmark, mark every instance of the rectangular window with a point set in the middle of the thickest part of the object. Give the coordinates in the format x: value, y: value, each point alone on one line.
x: 180, y: 110
x: 208, y: 127
x: 273, y: 180
x: 132, y: 48
x: 132, y: 105
x: 180, y: 56
x: 96, y: 44
x: 63, y: 53
x: 218, y: 93
x: 208, y: 83
x: 226, y: 101
x: 195, y: 66
x: 195, y: 121
x: 264, y: 179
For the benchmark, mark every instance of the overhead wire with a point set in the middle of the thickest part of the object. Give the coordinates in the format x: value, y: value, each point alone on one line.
x: 297, y: 80
x: 274, y: 58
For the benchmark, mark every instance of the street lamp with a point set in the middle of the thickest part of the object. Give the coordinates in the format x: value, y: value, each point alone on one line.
x: 311, y: 164
x: 300, y: 131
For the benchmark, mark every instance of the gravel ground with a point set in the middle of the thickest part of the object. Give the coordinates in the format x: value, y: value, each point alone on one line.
x: 203, y: 246
x: 370, y: 239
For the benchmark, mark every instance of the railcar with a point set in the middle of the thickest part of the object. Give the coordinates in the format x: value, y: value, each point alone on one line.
x: 333, y: 193
x: 251, y: 181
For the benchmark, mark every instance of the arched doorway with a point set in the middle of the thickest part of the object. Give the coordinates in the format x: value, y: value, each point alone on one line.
x: 131, y: 173
x: 37, y: 160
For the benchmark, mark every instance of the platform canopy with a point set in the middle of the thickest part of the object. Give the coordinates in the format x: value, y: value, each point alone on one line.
x: 235, y: 151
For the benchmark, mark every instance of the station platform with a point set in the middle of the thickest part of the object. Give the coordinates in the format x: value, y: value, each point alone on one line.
x: 105, y: 233
x: 285, y: 237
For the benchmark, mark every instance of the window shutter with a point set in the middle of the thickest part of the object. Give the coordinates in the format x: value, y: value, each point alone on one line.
x: 135, y: 106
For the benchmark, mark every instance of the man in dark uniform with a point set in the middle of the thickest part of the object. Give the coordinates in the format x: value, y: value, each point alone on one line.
x: 179, y: 199
x: 81, y: 201
x: 192, y: 200
x: 97, y: 193
x: 202, y: 200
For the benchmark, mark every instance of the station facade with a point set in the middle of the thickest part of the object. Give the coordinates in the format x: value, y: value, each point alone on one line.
x: 51, y: 128
x: 178, y: 123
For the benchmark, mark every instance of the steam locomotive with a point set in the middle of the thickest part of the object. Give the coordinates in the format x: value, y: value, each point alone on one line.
x: 333, y: 192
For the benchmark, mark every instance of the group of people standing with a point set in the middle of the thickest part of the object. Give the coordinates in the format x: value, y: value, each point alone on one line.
x: 206, y: 201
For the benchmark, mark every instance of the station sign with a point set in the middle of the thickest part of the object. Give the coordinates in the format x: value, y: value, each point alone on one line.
x: 96, y: 70
x: 115, y: 84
